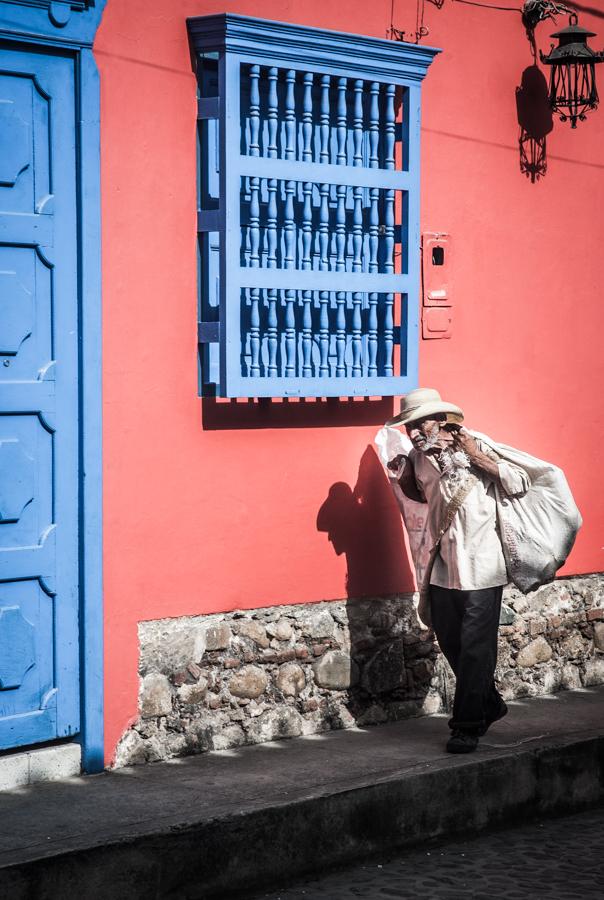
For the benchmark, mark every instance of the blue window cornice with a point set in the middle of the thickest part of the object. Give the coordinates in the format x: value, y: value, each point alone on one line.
x: 262, y: 40
x: 71, y: 22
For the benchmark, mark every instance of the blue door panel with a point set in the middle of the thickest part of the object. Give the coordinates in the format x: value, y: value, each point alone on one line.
x: 28, y: 696
x: 39, y: 590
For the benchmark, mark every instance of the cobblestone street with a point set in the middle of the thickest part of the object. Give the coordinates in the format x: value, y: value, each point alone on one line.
x: 557, y: 859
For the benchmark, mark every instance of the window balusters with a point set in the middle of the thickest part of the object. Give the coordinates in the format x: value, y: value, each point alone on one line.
x: 313, y: 226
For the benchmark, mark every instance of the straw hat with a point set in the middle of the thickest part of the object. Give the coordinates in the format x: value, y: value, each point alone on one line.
x: 425, y: 402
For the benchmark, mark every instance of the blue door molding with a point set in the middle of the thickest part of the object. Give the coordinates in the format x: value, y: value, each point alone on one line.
x: 71, y: 25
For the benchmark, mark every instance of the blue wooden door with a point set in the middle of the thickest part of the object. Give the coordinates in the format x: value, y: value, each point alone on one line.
x: 39, y: 655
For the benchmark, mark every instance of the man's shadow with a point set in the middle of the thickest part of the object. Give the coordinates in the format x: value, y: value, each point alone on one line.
x: 392, y: 659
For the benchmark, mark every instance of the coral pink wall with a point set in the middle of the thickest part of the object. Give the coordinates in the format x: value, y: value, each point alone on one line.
x: 200, y: 519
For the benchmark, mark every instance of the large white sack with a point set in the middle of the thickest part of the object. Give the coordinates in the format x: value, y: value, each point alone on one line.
x: 537, y: 529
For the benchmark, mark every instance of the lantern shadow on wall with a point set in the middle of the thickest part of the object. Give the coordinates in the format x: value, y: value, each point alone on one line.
x: 535, y: 121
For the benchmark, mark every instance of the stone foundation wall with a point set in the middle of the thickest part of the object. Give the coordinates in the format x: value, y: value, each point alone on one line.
x: 220, y: 681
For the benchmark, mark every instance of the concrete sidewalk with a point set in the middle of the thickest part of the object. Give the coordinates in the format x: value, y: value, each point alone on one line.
x: 212, y: 825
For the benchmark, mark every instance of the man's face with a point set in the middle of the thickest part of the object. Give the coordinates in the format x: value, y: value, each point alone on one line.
x: 424, y: 433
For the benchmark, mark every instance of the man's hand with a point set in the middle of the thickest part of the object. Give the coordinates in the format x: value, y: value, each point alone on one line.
x: 463, y: 440
x: 396, y: 462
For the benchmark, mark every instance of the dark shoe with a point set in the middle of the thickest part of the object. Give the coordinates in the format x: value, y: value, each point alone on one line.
x: 462, y: 742
x: 503, y: 710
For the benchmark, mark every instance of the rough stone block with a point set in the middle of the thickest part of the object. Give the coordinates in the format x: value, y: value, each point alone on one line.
x: 250, y: 682
x: 192, y: 694
x: 231, y: 736
x: 432, y: 704
x: 130, y: 750
x: 573, y: 646
x: 594, y: 671
x: 275, y: 723
x: 290, y: 679
x: 176, y: 744
x: 507, y: 615
x: 599, y: 636
x: 310, y: 705
x: 385, y: 671
x: 155, y: 697
x: 231, y: 662
x: 255, y: 631
x: 336, y: 671
x: 170, y: 645
x: 537, y: 651
x: 319, y: 624
x: 571, y: 677
x: 218, y: 637
x: 281, y: 630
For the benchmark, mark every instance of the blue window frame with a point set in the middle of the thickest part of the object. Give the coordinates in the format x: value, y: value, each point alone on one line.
x: 308, y: 209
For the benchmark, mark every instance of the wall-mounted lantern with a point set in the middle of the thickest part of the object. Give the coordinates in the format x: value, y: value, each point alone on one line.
x: 572, y: 87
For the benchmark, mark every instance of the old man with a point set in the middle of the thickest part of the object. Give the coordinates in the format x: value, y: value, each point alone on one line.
x: 456, y: 473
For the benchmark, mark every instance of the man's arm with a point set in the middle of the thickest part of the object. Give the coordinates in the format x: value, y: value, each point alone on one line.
x: 406, y: 479
x: 516, y: 483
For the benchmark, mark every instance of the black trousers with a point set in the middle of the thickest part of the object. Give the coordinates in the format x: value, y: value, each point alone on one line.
x: 466, y: 625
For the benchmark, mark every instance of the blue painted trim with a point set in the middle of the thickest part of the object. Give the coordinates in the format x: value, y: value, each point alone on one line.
x: 413, y: 149
x: 230, y: 212
x: 322, y: 281
x: 296, y: 170
x: 279, y: 43
x: 31, y: 22
x: 91, y: 496
x: 70, y: 23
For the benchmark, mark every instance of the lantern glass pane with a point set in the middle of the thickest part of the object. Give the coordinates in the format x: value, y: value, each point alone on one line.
x: 573, y: 90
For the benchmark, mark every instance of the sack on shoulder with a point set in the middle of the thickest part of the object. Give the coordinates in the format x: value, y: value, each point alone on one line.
x: 537, y: 529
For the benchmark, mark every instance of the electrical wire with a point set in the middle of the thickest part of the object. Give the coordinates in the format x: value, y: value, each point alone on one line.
x: 489, y: 6
x: 532, y: 9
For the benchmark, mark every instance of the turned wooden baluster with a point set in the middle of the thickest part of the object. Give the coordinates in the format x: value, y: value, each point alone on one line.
x: 374, y: 222
x: 289, y: 226
x: 307, y: 226
x: 389, y: 231
x: 254, y: 149
x: 357, y: 229
x: 271, y: 236
x: 341, y: 231
x: 324, y: 232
